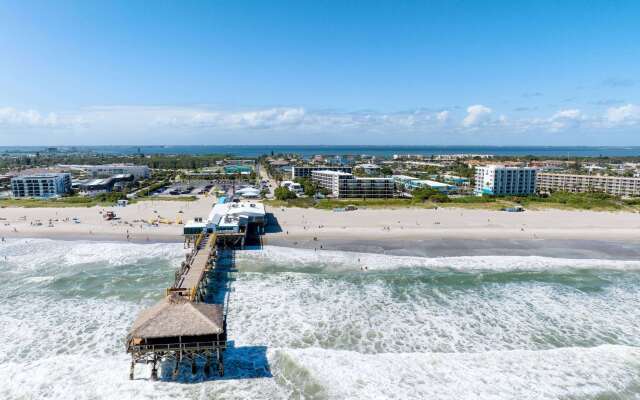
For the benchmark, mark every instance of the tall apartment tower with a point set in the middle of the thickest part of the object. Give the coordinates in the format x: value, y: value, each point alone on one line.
x: 498, y: 180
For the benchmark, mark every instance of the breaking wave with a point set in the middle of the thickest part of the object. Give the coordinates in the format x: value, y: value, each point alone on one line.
x: 408, y: 327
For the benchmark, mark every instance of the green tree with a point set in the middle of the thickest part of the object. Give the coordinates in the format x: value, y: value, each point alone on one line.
x: 310, y: 188
x: 386, y: 170
x: 425, y: 193
x: 282, y: 193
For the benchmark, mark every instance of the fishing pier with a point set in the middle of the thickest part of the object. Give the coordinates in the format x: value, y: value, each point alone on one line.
x: 189, y: 325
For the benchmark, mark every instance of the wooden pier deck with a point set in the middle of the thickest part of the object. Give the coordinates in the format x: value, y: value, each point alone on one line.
x: 194, y: 273
x: 183, y: 326
x: 190, y: 322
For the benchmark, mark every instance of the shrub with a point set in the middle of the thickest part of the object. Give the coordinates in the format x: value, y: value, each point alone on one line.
x: 423, y: 194
x: 282, y: 193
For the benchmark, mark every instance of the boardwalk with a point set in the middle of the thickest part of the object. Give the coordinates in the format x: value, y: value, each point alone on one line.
x: 194, y: 275
x: 182, y: 326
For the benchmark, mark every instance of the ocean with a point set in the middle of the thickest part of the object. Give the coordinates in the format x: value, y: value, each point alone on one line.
x: 314, y: 325
x: 379, y: 151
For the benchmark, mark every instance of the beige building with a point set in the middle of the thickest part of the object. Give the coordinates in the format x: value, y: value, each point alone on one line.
x: 615, y: 185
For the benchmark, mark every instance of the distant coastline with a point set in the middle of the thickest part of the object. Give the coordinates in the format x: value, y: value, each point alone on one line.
x: 375, y: 150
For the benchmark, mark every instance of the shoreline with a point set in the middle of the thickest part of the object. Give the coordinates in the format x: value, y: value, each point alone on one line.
x: 432, y: 248
x: 428, y: 248
x: 96, y: 237
x: 414, y: 232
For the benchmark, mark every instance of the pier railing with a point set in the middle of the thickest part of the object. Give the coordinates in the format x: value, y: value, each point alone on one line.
x: 195, y: 346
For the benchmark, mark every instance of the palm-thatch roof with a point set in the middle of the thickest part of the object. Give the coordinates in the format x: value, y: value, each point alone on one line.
x: 175, y: 316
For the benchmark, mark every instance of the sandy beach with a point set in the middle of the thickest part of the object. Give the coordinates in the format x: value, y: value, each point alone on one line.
x: 451, y: 223
x: 299, y: 225
x: 132, y: 222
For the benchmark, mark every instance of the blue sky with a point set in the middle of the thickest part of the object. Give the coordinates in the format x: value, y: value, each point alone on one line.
x: 320, y: 72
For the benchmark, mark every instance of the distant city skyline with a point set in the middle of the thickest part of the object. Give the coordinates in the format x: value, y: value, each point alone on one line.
x: 410, y: 73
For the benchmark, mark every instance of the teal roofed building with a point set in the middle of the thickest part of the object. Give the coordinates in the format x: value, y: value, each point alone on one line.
x: 238, y: 169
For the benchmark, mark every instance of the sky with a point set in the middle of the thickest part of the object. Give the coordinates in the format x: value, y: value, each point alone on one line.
x: 320, y: 72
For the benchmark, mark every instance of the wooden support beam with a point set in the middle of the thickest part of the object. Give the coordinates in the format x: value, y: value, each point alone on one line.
x: 132, y: 368
x: 176, y: 368
x: 154, y: 369
x: 207, y: 365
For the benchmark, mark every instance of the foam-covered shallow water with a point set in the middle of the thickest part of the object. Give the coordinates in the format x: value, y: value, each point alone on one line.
x: 318, y: 325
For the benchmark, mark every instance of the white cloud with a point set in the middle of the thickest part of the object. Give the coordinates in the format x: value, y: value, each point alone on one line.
x: 567, y: 114
x: 30, y: 118
x: 258, y: 119
x: 627, y: 114
x: 564, y: 119
x: 477, y: 115
x: 168, y: 124
x: 443, y: 116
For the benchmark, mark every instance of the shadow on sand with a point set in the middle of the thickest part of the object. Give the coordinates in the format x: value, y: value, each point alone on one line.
x: 272, y: 225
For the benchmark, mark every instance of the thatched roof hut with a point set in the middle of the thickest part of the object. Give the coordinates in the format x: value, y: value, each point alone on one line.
x: 175, y: 316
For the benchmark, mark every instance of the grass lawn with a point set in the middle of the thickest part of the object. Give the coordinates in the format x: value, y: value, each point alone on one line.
x: 53, y: 203
x: 168, y: 198
x: 81, y: 201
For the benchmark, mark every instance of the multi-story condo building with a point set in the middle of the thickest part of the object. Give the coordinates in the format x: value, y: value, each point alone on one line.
x: 412, y: 183
x: 345, y: 185
x: 615, y: 185
x: 106, y: 170
x: 41, y: 185
x: 499, y: 180
x: 306, y: 170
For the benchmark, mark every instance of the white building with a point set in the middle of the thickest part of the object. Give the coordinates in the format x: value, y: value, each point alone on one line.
x: 369, y: 169
x: 305, y: 171
x: 248, y: 192
x: 614, y: 185
x: 235, y: 217
x: 106, y: 170
x: 499, y: 180
x: 295, y: 187
x: 345, y: 185
x: 41, y: 185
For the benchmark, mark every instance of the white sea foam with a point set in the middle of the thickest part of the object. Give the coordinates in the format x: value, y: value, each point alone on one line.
x: 30, y: 254
x: 374, y: 314
x: 292, y: 259
x: 333, y: 336
x: 74, y: 349
x: 551, y: 374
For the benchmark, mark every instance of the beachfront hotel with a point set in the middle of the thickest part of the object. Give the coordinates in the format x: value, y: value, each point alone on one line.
x: 107, y: 170
x: 614, y: 185
x: 345, y: 185
x: 305, y: 171
x: 500, y: 180
x: 41, y: 185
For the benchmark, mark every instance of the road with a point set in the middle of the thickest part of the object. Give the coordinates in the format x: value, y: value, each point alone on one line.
x: 264, y: 175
